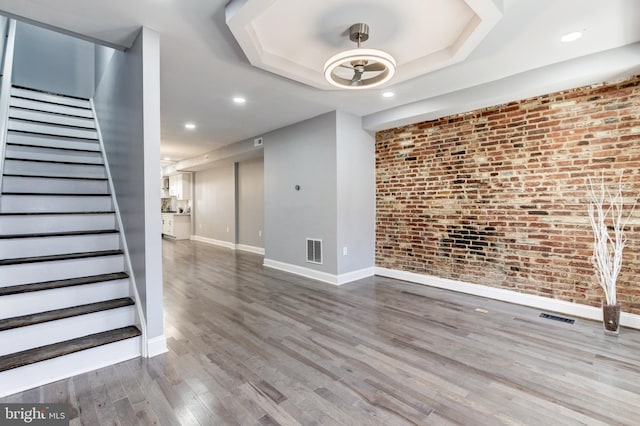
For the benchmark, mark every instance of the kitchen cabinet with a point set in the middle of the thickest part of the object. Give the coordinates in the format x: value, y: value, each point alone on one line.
x: 164, y: 187
x: 180, y: 186
x: 176, y: 225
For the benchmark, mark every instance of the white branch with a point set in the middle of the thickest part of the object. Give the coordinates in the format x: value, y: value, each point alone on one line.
x: 608, y: 222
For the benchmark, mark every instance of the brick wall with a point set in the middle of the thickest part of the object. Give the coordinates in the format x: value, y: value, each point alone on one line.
x: 498, y: 196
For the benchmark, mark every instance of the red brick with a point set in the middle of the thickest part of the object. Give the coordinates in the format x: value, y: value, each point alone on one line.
x: 499, y: 196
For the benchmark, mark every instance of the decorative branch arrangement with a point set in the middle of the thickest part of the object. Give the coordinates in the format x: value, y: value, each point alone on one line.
x: 608, y: 222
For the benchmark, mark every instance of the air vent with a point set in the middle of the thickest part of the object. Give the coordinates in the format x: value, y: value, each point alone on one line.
x: 314, y: 251
x: 557, y: 318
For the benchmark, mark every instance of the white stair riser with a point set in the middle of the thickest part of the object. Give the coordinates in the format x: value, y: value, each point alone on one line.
x: 13, y: 248
x: 54, y: 186
x: 48, y: 107
x: 18, y: 167
x: 46, y: 97
x: 15, y: 305
x: 53, y: 142
x: 59, y: 270
x: 47, y: 333
x: 47, y: 203
x: 19, y: 224
x: 41, y: 373
x: 51, y: 130
x: 52, y: 154
x: 47, y: 117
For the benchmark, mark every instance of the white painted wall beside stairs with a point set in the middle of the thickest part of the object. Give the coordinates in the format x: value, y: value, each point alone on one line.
x: 127, y: 101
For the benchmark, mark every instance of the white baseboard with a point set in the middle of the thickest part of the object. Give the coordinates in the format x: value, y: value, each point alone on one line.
x: 157, y: 346
x: 355, y: 275
x: 228, y: 244
x: 531, y: 300
x: 213, y: 242
x: 250, y: 249
x: 319, y: 275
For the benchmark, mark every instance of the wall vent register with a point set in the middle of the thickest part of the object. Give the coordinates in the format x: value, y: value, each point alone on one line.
x: 314, y: 251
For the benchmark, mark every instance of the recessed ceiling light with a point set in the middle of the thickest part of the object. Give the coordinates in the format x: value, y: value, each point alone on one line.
x: 569, y: 37
x: 167, y: 159
x: 388, y: 95
x: 190, y: 126
x: 239, y: 100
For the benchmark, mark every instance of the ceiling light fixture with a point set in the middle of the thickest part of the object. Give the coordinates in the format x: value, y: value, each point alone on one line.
x: 569, y: 37
x: 190, y: 126
x: 359, y: 68
x: 239, y: 100
x: 388, y: 95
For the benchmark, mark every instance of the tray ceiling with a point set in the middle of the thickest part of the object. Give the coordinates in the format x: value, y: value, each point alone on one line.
x: 293, y: 39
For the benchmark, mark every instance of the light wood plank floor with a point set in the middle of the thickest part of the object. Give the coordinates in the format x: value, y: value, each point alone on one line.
x: 254, y: 346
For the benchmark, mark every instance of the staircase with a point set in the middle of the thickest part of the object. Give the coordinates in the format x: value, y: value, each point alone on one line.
x: 65, y: 298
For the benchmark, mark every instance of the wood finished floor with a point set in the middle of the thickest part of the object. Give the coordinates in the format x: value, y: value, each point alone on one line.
x: 255, y: 346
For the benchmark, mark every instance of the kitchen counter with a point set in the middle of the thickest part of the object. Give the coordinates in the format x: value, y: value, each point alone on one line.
x: 176, y: 225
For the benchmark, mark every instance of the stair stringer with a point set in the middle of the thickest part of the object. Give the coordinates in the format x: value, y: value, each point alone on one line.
x: 133, y: 288
x: 5, y: 90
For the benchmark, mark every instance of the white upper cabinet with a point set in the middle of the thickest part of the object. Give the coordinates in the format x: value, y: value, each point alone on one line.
x: 164, y: 187
x: 180, y: 186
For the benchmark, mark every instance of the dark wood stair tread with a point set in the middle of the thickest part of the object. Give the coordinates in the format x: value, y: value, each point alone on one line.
x: 54, y: 113
x: 57, y: 314
x: 70, y: 282
x: 55, y: 257
x: 16, y: 132
x: 57, y: 194
x: 73, y: 163
x: 49, y: 124
x: 22, y: 175
x: 43, y: 353
x: 45, y: 92
x: 61, y: 148
x: 59, y: 234
x: 52, y: 135
x: 54, y: 213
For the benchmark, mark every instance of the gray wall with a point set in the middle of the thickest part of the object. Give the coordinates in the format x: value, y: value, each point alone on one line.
x: 127, y: 104
x: 332, y: 160
x: 251, y: 202
x: 355, y: 194
x: 102, y: 58
x: 214, y: 203
x: 4, y: 27
x: 301, y: 154
x: 53, y: 62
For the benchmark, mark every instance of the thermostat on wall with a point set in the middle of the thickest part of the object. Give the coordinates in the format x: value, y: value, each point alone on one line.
x: 257, y: 142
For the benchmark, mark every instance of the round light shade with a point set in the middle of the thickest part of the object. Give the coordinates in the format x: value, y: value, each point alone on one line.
x: 359, y: 68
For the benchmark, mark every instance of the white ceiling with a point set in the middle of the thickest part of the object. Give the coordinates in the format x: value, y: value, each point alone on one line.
x: 203, y: 67
x: 421, y: 35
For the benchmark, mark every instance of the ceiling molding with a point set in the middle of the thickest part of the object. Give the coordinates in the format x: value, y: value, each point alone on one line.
x: 296, y: 46
x: 70, y: 33
x: 607, y: 66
